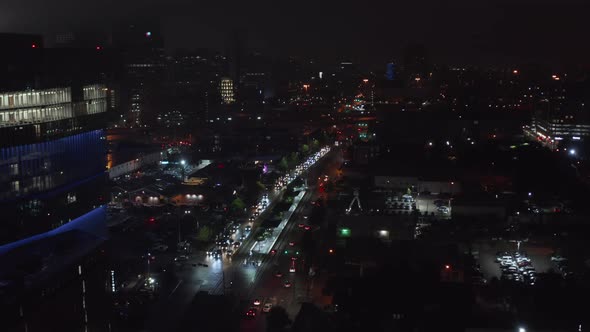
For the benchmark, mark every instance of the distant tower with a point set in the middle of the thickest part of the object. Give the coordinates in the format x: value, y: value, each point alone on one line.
x: 390, y: 71
x: 416, y: 62
x: 235, y: 54
x: 226, y: 89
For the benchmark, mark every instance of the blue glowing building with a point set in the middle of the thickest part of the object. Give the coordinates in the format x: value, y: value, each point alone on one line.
x: 390, y: 71
x: 54, y: 106
x: 52, y: 158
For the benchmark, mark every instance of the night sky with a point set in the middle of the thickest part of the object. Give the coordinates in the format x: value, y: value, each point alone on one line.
x: 454, y: 31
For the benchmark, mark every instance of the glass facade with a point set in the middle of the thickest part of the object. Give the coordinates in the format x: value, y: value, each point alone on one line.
x: 47, y: 184
x: 33, y: 107
x: 11, y: 100
x: 33, y: 168
x: 52, y: 158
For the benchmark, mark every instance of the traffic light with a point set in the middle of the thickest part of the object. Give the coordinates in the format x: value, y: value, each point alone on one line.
x: 331, y: 251
x: 286, y: 252
x: 297, y: 253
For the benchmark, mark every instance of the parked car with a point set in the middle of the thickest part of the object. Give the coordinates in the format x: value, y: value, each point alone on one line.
x: 160, y: 247
x: 558, y: 258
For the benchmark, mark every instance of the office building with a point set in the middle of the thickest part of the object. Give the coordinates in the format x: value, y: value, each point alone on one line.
x: 141, y: 93
x: 52, y: 184
x: 52, y: 157
x: 390, y: 71
x: 557, y: 124
x: 226, y: 89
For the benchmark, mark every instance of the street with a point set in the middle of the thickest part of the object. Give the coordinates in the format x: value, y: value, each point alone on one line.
x: 229, y: 275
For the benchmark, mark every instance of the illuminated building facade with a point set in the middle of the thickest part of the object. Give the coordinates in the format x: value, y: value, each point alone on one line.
x: 562, y: 128
x: 557, y: 124
x: 53, y: 184
x: 52, y: 158
x: 226, y: 89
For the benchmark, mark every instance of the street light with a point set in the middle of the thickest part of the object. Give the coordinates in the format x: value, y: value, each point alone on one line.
x: 183, y: 163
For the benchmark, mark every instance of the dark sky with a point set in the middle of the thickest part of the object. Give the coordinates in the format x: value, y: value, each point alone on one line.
x: 452, y: 30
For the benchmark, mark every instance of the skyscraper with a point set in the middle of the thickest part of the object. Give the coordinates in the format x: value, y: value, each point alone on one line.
x: 390, y: 71
x: 142, y: 48
x: 52, y: 180
x: 52, y: 150
x: 226, y: 89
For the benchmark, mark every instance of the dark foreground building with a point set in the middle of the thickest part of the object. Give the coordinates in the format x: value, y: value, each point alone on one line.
x: 52, y: 185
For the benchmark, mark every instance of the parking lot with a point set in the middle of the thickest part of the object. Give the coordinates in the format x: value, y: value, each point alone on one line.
x: 434, y: 205
x: 504, y: 260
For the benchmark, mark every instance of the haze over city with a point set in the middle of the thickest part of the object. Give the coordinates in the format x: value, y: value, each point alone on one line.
x: 292, y: 167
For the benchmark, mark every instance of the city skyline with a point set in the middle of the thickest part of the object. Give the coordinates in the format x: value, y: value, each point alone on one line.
x: 288, y: 167
x: 483, y: 32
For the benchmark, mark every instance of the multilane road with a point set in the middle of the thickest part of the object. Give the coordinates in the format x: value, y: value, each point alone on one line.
x: 229, y: 275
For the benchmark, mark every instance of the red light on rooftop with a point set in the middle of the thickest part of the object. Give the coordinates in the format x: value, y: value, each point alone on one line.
x: 33, y: 45
x: 515, y: 71
x: 98, y: 48
x: 447, y: 267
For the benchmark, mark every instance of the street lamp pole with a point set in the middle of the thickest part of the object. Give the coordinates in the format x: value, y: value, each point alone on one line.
x: 222, y: 276
x: 179, y: 237
x: 183, y: 168
x: 148, y: 265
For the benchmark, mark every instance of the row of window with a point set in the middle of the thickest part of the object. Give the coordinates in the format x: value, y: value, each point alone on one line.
x: 36, y: 114
x: 95, y: 91
x: 51, y: 113
x: 35, y: 98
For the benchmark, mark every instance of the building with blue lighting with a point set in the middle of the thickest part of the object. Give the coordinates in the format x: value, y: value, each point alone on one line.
x: 54, y: 106
x: 52, y: 158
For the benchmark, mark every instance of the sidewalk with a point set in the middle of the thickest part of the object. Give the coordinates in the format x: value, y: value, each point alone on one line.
x: 265, y: 246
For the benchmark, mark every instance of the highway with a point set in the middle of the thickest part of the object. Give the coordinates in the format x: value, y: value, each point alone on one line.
x: 268, y: 288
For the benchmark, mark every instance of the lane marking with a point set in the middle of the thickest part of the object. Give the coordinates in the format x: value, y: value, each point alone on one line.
x: 175, y: 288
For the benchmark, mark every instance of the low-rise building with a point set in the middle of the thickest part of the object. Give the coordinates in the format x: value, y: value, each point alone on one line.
x: 479, y: 206
x: 387, y: 228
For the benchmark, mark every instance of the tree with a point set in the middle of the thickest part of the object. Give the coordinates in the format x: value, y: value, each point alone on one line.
x: 293, y: 159
x: 260, y: 185
x: 305, y: 149
x: 283, y: 164
x: 204, y: 234
x: 238, y: 205
x: 327, y: 137
x: 277, y: 319
x: 315, y: 145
